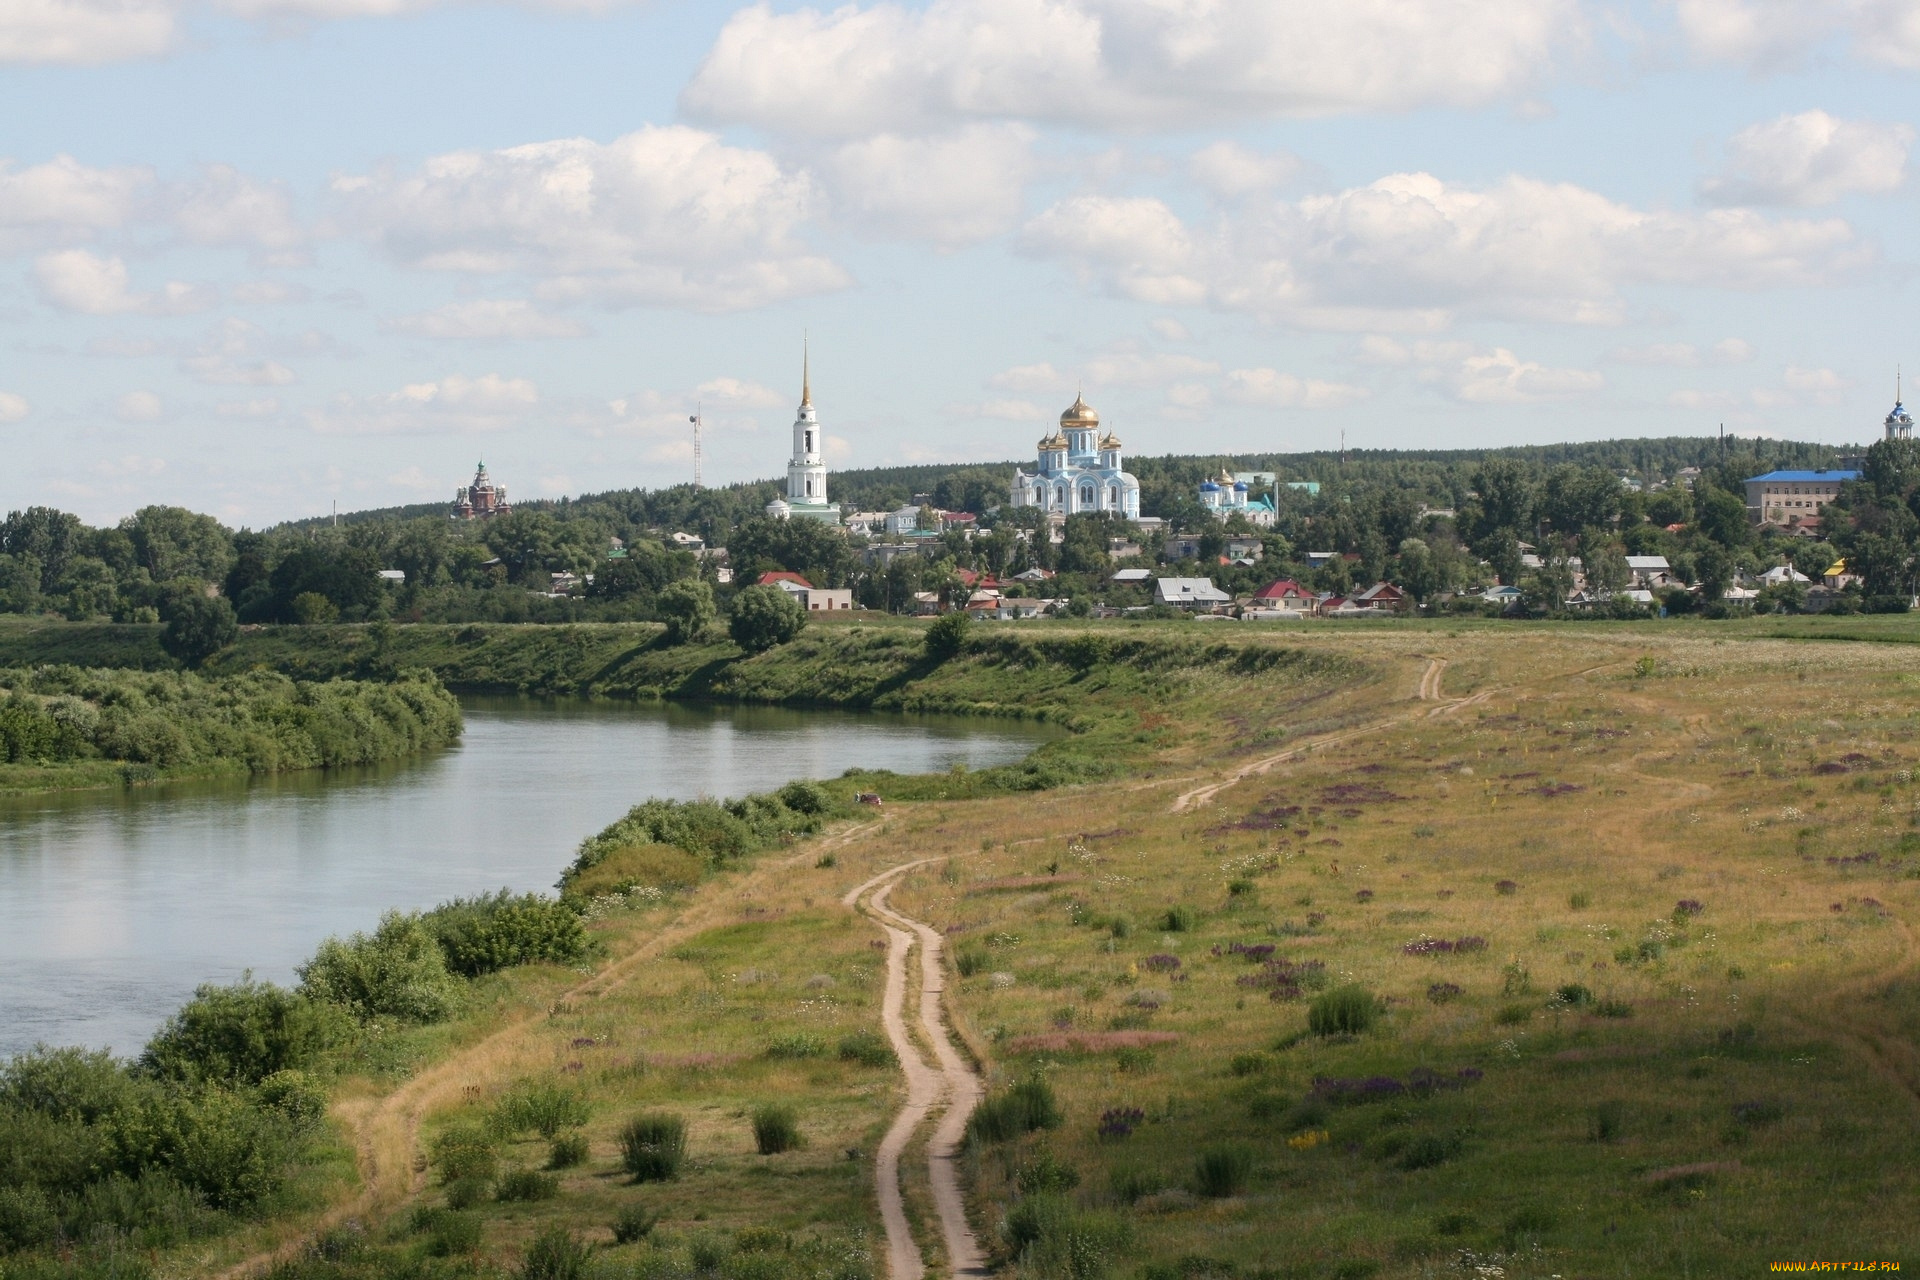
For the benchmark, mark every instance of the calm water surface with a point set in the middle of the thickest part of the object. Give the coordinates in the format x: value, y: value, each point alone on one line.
x: 115, y: 905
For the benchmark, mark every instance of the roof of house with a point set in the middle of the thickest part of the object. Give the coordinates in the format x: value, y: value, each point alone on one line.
x: 1380, y: 591
x: 1804, y: 477
x: 776, y: 576
x: 1132, y: 575
x: 1648, y: 562
x: 1189, y: 589
x: 1280, y: 589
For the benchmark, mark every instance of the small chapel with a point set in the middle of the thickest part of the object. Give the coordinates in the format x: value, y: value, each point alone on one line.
x: 1078, y: 470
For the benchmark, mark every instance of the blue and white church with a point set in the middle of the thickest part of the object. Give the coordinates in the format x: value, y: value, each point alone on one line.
x: 1077, y: 472
x: 807, y: 470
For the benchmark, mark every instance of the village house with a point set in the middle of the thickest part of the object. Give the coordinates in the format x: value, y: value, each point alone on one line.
x: 813, y: 599
x: 1283, y: 593
x: 1651, y: 571
x: 1189, y: 593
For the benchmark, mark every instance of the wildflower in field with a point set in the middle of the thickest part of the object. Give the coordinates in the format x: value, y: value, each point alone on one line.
x: 1307, y: 1141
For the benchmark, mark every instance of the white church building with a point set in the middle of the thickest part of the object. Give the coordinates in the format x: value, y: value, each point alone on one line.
x: 807, y: 471
x: 1075, y: 473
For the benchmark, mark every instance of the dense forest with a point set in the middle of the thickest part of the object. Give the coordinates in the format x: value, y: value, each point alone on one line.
x: 1434, y: 521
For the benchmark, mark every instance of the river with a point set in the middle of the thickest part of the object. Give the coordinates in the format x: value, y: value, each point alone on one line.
x: 115, y: 905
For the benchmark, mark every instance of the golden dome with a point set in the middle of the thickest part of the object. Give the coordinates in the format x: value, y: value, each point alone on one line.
x: 1054, y: 441
x: 1079, y: 414
x: 1109, y: 441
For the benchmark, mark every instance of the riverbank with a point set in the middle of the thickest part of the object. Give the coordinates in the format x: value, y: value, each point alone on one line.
x: 65, y: 727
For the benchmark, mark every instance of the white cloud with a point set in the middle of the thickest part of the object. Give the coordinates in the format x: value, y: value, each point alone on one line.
x: 864, y: 70
x: 739, y: 393
x: 1810, y: 159
x: 1684, y: 355
x: 455, y: 403
x: 1271, y: 388
x: 63, y: 200
x: 667, y: 215
x: 1773, y: 34
x: 138, y: 406
x: 83, y: 32
x: 1500, y: 377
x: 13, y: 407
x: 952, y: 189
x: 1230, y: 170
x: 486, y: 319
x: 265, y: 407
x: 268, y: 292
x: 1145, y: 368
x: 225, y: 207
x: 1798, y: 387
x: 1171, y: 330
x: 1412, y: 252
x: 1030, y: 378
x: 77, y: 280
x: 228, y: 356
x: 1006, y: 410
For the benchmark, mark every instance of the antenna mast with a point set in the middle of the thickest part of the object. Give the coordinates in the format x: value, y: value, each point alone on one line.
x: 697, y: 424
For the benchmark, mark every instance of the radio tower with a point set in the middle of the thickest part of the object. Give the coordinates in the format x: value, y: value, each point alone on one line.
x: 695, y: 420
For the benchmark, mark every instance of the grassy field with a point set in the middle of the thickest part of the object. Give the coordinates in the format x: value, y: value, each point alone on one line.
x: 1628, y: 910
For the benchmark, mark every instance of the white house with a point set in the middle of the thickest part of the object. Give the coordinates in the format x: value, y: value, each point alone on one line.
x: 1189, y: 593
x: 1650, y: 571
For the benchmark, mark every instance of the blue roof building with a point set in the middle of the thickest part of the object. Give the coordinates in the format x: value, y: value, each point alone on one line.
x: 1794, y: 499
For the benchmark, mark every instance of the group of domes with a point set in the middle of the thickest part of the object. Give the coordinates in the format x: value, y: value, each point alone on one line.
x: 1079, y: 416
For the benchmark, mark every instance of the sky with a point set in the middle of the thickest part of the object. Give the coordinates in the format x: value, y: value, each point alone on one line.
x: 259, y: 257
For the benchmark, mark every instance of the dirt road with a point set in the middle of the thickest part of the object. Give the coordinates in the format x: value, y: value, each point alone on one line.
x: 949, y: 1083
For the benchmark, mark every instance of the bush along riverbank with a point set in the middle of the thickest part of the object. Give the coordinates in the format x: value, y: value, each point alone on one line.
x: 65, y: 726
x: 105, y: 1164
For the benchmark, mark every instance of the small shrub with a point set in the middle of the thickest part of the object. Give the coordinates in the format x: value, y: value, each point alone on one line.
x: 707, y: 1251
x: 463, y: 1152
x: 827, y: 861
x: 1178, y: 920
x: 1613, y: 1009
x: 498, y: 931
x: 542, y: 1107
x: 1045, y: 1173
x: 634, y: 1222
x: 1241, y: 888
x: 762, y: 1240
x: 1455, y: 1224
x: 464, y: 1193
x: 1118, y: 1123
x: 1506, y: 888
x: 1574, y: 994
x: 1609, y: 1120
x: 653, y: 1146
x: 1120, y: 927
x: 1527, y: 1222
x: 1515, y: 978
x: 556, y: 1254
x: 526, y: 1184
x: 1223, y: 1171
x: 1686, y: 909
x: 1444, y: 992
x: 1248, y: 1064
x: 1027, y: 1106
x: 798, y: 1045
x: 1133, y: 1061
x: 1579, y: 901
x: 1344, y: 1011
x: 1512, y: 1015
x: 775, y: 1129
x: 969, y: 960
x: 1130, y: 1184
x: 569, y: 1151
x: 868, y: 1048
x: 450, y: 1233
x: 1428, y: 1150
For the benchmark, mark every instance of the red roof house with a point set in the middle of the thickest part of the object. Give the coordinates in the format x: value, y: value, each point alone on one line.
x: 779, y: 577
x: 1284, y: 591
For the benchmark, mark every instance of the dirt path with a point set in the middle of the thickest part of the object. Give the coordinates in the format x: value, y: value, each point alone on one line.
x: 951, y: 1082
x: 1430, y: 680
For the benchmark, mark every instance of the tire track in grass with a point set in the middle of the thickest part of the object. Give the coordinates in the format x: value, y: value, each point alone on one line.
x: 950, y: 1082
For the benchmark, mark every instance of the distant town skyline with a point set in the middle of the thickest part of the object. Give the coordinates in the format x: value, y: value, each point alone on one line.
x: 260, y: 255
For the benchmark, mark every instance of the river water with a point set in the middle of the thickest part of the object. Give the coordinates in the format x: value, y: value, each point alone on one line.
x: 114, y: 905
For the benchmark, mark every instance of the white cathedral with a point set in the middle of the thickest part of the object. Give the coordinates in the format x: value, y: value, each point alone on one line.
x: 807, y: 471
x: 1075, y: 473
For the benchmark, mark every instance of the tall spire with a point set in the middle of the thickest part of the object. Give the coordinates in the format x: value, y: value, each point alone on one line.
x: 806, y: 376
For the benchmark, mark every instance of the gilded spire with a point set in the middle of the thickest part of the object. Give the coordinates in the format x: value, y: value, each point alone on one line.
x: 806, y: 376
